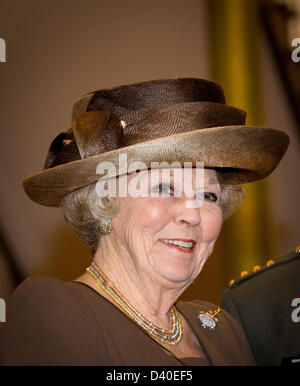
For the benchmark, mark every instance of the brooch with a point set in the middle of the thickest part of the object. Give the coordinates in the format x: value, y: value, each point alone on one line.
x: 208, y: 319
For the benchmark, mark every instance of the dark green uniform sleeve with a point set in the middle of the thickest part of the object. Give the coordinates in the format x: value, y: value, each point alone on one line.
x: 261, y: 302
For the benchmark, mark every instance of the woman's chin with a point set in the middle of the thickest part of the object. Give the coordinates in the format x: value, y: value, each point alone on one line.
x: 175, y: 266
x: 177, y: 273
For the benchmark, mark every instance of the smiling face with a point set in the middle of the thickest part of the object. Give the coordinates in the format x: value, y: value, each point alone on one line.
x: 168, y: 240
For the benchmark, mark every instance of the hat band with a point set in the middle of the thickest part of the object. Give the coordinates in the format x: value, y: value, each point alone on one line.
x: 98, y: 132
x: 150, y: 124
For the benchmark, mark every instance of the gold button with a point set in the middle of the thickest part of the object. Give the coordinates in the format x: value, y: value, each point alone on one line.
x: 244, y: 273
x: 256, y: 268
x: 231, y: 282
x: 270, y: 262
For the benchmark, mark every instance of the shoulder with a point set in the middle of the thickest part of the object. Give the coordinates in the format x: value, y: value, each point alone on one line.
x: 277, y: 281
x: 44, y: 283
x: 272, y: 268
x: 43, y: 303
x: 39, y: 284
x: 261, y: 301
x: 41, y: 292
x: 50, y: 304
x: 48, y: 322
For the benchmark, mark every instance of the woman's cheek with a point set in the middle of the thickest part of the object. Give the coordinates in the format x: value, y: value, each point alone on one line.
x: 212, y: 224
x: 153, y: 212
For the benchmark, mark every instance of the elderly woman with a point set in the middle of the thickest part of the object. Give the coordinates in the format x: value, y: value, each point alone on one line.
x: 127, y: 178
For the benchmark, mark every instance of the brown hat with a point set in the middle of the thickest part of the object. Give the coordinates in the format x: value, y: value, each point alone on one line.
x: 184, y: 120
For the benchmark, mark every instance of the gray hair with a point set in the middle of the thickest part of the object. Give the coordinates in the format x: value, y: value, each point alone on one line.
x: 85, y: 211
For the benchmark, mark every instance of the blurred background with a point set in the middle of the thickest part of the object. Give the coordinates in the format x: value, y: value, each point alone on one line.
x: 58, y: 50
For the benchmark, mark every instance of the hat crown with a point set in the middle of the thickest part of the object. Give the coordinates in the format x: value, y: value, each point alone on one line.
x: 156, y: 94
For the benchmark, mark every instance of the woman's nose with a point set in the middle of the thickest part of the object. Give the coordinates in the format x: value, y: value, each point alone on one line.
x: 188, y: 213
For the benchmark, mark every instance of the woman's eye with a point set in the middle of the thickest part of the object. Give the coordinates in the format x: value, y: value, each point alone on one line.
x: 208, y: 196
x: 211, y: 197
x: 164, y: 189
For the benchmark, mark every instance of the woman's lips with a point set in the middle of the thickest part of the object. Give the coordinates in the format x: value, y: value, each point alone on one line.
x: 182, y: 245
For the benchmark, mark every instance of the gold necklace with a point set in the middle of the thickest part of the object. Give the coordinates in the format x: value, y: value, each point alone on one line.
x: 161, y: 335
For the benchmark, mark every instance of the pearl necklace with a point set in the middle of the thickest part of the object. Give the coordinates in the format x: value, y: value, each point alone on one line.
x: 161, y: 335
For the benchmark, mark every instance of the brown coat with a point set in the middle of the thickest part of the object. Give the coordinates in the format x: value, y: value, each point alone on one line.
x: 50, y: 322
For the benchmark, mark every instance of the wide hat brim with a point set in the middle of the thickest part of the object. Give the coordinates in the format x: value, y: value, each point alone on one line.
x: 240, y: 154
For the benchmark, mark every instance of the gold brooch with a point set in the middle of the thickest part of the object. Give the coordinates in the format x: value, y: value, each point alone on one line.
x: 208, y: 319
